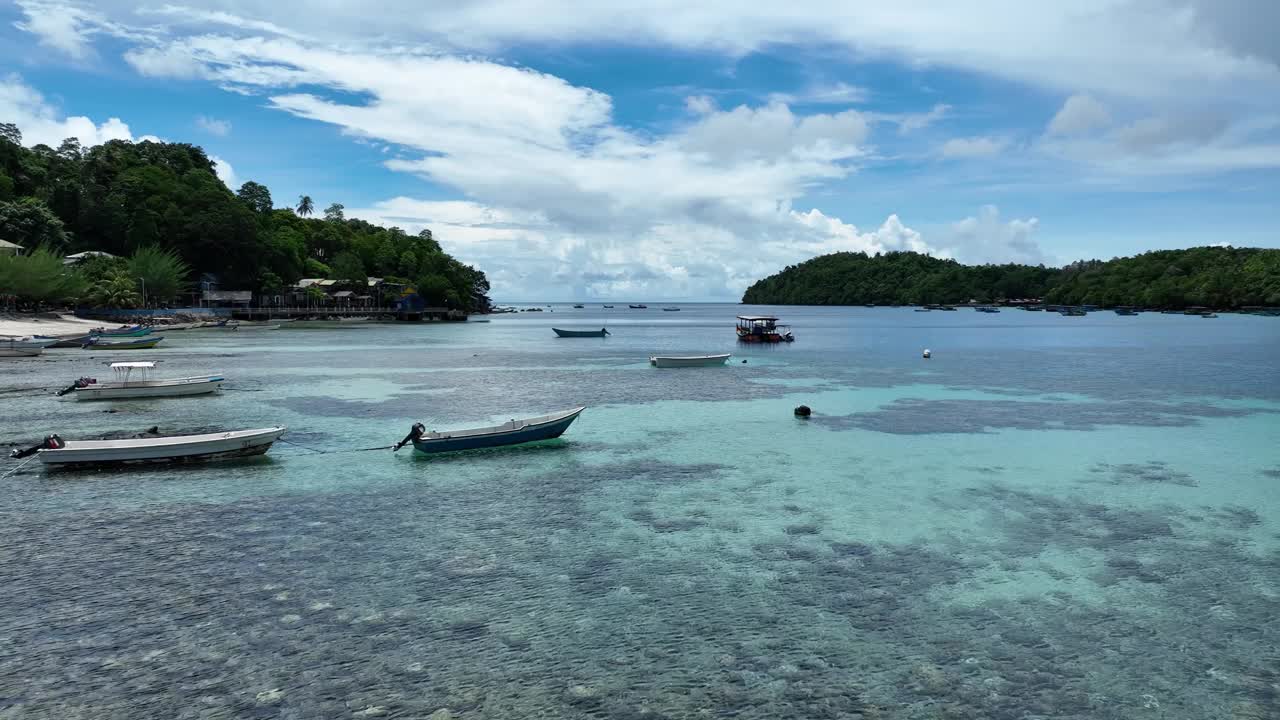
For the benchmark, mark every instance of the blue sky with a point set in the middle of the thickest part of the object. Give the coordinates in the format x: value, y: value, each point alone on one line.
x: 659, y: 149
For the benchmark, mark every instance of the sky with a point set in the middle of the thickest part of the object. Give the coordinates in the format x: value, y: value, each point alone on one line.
x: 661, y: 149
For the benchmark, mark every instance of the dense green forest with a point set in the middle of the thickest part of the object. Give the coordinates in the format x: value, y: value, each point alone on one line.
x: 164, y: 199
x: 1215, y: 277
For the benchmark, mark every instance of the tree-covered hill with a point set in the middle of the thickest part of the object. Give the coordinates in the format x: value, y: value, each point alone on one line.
x: 122, y: 197
x: 1208, y: 276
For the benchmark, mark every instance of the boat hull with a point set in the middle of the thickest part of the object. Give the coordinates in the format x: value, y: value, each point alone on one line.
x: 688, y: 361
x: 519, y: 433
x: 139, y: 344
x: 177, y: 387
x: 579, y: 333
x: 16, y: 351
x: 148, y: 451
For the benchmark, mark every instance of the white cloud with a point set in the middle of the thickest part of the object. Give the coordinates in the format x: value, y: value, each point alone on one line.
x: 62, y: 27
x: 1079, y: 114
x: 839, y: 93
x: 1170, y: 49
x: 911, y: 122
x: 699, y: 104
x: 986, y: 239
x: 40, y: 122
x: 225, y: 172
x: 213, y: 126
x: 974, y: 147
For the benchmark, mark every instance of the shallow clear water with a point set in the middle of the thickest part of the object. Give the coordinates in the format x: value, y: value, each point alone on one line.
x: 1051, y: 518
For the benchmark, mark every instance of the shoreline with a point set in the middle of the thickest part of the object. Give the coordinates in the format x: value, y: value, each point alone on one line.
x: 24, y: 324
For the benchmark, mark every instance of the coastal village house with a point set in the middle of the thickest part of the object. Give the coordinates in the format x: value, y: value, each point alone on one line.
x: 8, y: 248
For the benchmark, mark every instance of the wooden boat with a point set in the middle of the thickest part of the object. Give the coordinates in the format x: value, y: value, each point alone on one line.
x: 242, y: 327
x: 578, y: 307
x: 670, y: 309
x: 580, y: 333
x: 608, y: 307
x: 1126, y: 311
x: 1072, y: 312
x: 133, y: 381
x: 54, y: 451
x: 638, y: 307
x: 987, y: 309
x: 680, y: 361
x: 23, y: 347
x: 512, y: 432
x: 762, y: 329
x: 122, y: 331
x: 924, y: 309
x: 142, y: 343
x: 213, y: 325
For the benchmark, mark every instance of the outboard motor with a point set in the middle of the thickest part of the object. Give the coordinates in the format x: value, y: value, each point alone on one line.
x: 81, y: 383
x: 414, y: 433
x: 50, y: 442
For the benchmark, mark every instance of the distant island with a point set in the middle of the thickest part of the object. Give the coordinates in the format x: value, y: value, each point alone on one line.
x: 1214, y: 277
x: 126, y: 225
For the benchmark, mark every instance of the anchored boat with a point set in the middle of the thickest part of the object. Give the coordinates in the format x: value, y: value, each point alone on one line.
x: 24, y: 347
x: 560, y: 332
x: 679, y: 361
x: 762, y: 329
x: 54, y: 451
x: 133, y: 381
x: 139, y: 343
x: 512, y: 432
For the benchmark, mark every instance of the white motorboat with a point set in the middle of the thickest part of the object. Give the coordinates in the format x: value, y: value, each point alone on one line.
x: 679, y: 361
x: 133, y: 381
x: 54, y: 451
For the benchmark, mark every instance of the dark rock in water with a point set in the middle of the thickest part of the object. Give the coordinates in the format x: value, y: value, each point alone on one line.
x: 803, y: 411
x: 856, y: 549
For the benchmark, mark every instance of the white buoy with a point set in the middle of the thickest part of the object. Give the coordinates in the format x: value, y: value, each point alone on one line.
x: 927, y: 354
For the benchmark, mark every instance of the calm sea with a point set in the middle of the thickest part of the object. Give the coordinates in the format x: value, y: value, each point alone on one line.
x: 1051, y: 518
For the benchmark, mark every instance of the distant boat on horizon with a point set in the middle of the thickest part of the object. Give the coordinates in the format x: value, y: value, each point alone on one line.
x: 639, y: 307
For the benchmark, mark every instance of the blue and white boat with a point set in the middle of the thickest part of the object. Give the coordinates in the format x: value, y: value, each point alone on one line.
x: 512, y: 432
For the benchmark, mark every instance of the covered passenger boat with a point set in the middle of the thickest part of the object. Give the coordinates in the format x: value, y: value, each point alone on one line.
x: 133, y: 380
x: 762, y: 329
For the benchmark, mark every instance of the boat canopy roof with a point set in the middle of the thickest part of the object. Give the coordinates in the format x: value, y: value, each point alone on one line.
x: 132, y: 365
x: 757, y: 318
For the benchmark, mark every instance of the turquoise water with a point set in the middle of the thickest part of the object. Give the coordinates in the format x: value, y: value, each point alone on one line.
x: 1051, y: 518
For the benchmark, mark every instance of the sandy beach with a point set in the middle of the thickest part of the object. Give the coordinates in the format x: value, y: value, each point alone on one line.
x: 44, y: 324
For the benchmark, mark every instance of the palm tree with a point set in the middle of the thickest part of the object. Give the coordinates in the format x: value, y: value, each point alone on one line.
x: 305, y: 206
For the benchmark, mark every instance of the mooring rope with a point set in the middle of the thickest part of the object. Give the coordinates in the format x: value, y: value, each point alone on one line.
x: 19, y: 467
x: 334, y: 452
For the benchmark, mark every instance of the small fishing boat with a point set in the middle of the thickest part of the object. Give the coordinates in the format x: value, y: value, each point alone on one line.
x: 987, y: 309
x: 122, y: 331
x: 670, y: 309
x: 153, y: 449
x: 1126, y: 311
x: 681, y: 361
x: 1208, y: 315
x: 638, y: 307
x: 23, y: 347
x: 213, y: 325
x: 580, y: 333
x: 512, y: 432
x: 140, y: 343
x: 242, y: 327
x: 133, y: 381
x: 1072, y: 312
x: 578, y: 307
x: 924, y: 309
x: 608, y: 307
x: 762, y: 329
